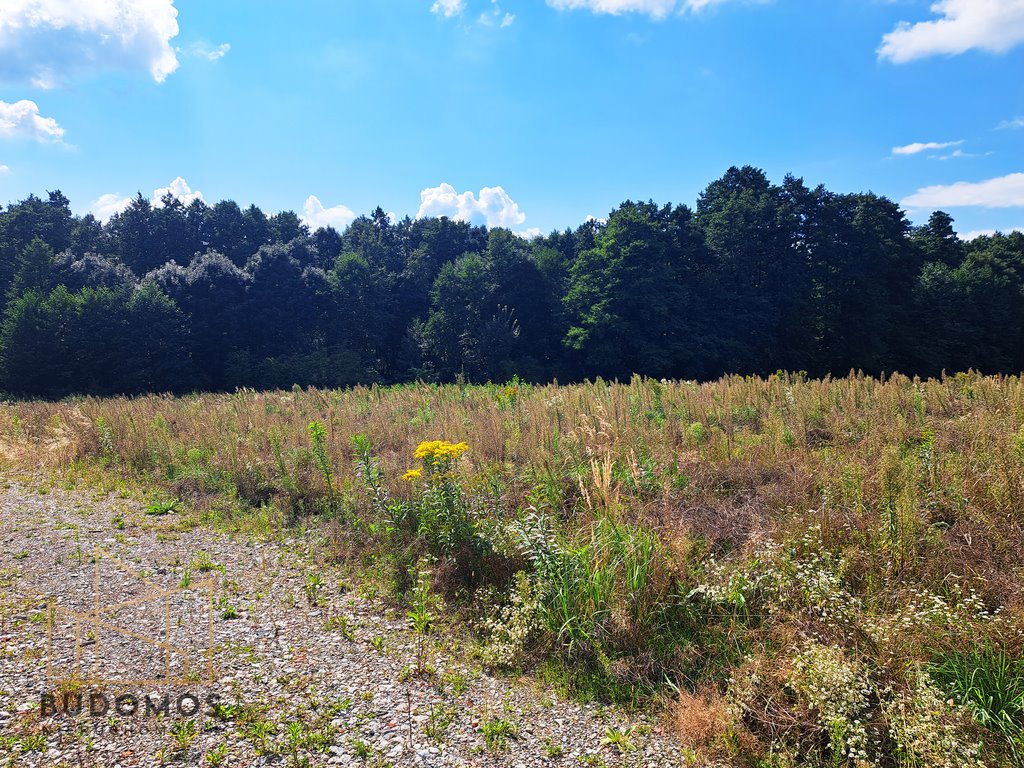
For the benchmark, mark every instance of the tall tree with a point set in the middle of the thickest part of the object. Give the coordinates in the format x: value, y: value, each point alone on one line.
x: 632, y: 302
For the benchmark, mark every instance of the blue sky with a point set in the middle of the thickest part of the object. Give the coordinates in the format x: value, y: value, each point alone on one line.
x: 530, y: 114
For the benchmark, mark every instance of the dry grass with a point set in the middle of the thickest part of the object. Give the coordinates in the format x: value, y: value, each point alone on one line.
x: 702, y: 721
x: 725, y: 462
x: 912, y: 487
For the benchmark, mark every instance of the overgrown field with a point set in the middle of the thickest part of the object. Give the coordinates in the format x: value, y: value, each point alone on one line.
x: 796, y: 572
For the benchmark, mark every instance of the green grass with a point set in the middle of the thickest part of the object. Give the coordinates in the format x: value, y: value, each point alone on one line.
x: 990, y: 683
x: 497, y: 732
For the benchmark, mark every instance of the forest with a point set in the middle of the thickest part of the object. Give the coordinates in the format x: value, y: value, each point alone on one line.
x: 758, y: 277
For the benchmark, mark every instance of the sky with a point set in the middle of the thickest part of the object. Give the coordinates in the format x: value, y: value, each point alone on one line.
x: 526, y: 114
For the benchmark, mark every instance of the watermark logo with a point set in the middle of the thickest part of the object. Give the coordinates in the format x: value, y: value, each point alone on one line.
x: 149, y: 637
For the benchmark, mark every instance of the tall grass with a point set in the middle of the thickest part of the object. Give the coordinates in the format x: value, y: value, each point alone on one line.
x: 990, y: 683
x: 706, y: 538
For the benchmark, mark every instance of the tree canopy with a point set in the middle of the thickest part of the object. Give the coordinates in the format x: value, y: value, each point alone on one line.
x: 757, y: 277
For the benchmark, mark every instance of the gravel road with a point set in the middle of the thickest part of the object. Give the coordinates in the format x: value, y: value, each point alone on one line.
x: 197, y: 648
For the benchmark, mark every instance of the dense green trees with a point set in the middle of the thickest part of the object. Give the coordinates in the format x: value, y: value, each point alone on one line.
x: 636, y: 300
x: 168, y: 296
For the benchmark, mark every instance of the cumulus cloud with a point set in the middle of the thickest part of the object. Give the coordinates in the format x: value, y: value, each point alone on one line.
x: 107, y: 205
x: 1017, y: 122
x: 1001, y: 192
x: 925, y: 146
x: 48, y: 42
x: 4, y: 169
x: 448, y: 8
x: 976, y: 233
x: 22, y: 120
x: 493, y: 207
x: 990, y: 25
x: 657, y: 9
x: 180, y: 189
x: 315, y: 216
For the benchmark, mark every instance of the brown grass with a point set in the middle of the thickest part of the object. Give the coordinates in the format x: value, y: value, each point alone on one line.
x: 915, y: 485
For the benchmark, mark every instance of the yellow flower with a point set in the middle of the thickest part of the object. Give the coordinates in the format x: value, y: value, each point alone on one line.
x: 412, y: 474
x: 438, y: 450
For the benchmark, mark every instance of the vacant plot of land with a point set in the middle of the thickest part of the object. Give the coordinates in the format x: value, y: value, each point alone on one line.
x: 791, y: 571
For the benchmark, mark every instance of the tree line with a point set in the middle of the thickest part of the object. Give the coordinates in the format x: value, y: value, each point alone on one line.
x: 757, y: 277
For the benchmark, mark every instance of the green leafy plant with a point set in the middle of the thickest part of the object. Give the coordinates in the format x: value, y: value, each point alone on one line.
x: 184, y: 733
x: 497, y: 731
x: 361, y: 748
x: 318, y: 445
x: 443, y: 519
x: 620, y: 738
x: 159, y: 507
x: 420, y: 614
x: 990, y: 683
x: 312, y: 586
x: 217, y: 756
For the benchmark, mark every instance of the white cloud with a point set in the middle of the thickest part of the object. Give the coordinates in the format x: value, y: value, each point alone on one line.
x: 1017, y: 122
x: 976, y: 233
x: 657, y: 9
x: 991, y: 25
x: 530, y: 233
x: 1002, y: 192
x: 700, y: 5
x: 316, y: 216
x: 493, y: 207
x: 959, y: 154
x: 22, y: 120
x: 4, y: 170
x: 203, y: 50
x: 924, y: 146
x: 48, y: 42
x: 180, y: 189
x: 107, y: 205
x: 448, y: 8
x: 495, y: 17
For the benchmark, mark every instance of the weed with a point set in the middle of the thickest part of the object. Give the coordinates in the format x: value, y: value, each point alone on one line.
x: 497, y: 731
x: 163, y: 506
x: 217, y: 756
x: 440, y: 720
x: 361, y: 748
x: 621, y: 739
x: 184, y: 733
x: 340, y: 623
x: 314, y: 582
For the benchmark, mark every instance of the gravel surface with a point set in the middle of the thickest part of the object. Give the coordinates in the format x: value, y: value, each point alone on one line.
x: 102, y: 603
